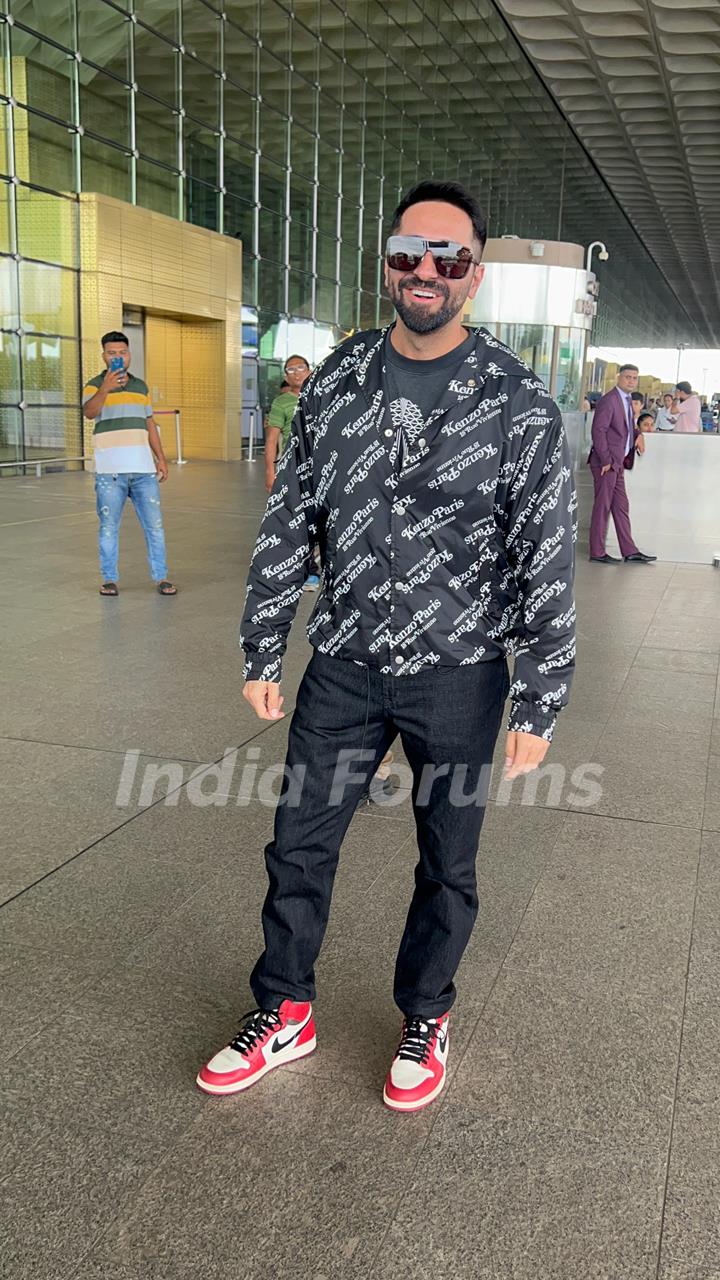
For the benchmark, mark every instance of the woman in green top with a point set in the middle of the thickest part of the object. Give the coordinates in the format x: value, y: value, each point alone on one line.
x: 282, y: 411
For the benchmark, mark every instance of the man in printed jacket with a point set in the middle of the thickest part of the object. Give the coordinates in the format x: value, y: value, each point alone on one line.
x: 429, y: 464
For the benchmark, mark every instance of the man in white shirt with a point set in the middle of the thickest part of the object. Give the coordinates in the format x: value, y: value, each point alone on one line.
x: 664, y: 420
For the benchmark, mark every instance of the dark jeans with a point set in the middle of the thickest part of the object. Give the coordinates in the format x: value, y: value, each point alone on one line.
x: 445, y: 716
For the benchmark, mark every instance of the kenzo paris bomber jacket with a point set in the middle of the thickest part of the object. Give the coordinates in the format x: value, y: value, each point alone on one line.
x: 443, y: 542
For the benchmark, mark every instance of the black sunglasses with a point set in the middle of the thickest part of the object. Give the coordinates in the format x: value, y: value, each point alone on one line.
x: 452, y: 261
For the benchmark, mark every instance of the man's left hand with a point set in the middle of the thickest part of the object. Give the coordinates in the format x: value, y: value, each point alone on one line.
x: 640, y: 444
x: 523, y: 753
x: 162, y: 470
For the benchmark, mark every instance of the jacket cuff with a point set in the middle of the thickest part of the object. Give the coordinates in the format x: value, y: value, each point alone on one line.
x: 528, y: 717
x: 263, y: 666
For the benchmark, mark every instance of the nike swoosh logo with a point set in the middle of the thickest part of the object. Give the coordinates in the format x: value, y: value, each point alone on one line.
x: 283, y: 1044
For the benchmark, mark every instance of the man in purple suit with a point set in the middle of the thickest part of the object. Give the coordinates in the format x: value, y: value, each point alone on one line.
x: 615, y: 441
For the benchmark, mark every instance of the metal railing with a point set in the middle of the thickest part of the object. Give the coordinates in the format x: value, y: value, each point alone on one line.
x: 38, y: 463
x: 164, y: 413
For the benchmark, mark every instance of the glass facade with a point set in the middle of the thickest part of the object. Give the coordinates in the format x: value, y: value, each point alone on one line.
x: 291, y: 126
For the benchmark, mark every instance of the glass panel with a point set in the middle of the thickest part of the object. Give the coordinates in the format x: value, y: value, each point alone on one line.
x: 48, y: 298
x: 350, y: 222
x: 6, y: 236
x: 303, y: 101
x: 247, y: 14
x: 302, y: 151
x: 274, y: 81
x: 105, y: 106
x: 347, y: 309
x: 571, y: 344
x: 302, y: 200
x: 10, y: 435
x: 201, y: 91
x: 349, y: 265
x: 533, y: 343
x: 201, y: 204
x: 42, y: 76
x: 300, y: 294
x: 327, y: 257
x: 35, y: 16
x: 268, y: 323
x: 301, y: 244
x: 272, y: 236
x: 275, y: 29
x: 4, y: 135
x: 327, y: 211
x: 325, y: 296
x: 47, y: 227
x: 273, y: 134
x: 239, y: 219
x: 157, y: 188
x: 164, y: 18
x: 239, y: 114
x: 103, y: 36
x: 273, y: 180
x: 239, y: 170
x: 105, y: 169
x: 156, y: 66
x: 51, y: 433
x: 201, y: 32
x: 201, y: 153
x: 156, y: 127
x: 43, y: 151
x: 50, y: 370
x: 9, y: 310
x: 271, y: 286
x: 241, y: 58
x: 9, y: 368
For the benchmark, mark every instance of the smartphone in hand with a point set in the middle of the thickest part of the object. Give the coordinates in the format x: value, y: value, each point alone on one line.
x: 117, y: 365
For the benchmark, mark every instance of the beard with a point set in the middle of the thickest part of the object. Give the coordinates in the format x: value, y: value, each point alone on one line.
x: 416, y: 317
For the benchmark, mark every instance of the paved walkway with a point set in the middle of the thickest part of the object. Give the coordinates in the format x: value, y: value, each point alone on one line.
x: 578, y: 1137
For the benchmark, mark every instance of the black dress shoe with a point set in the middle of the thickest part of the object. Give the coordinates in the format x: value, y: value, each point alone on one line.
x: 606, y: 559
x: 639, y: 557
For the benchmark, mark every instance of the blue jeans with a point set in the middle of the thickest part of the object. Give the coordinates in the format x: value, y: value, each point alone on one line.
x: 446, y: 717
x: 111, y: 493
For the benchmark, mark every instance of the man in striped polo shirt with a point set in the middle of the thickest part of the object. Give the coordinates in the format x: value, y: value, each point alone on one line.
x: 129, y: 462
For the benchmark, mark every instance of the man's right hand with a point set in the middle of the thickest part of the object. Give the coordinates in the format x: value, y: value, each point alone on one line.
x: 264, y: 698
x: 114, y: 380
x: 604, y: 470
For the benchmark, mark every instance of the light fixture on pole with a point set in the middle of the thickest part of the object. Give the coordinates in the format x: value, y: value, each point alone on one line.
x: 603, y: 254
x: 681, y: 347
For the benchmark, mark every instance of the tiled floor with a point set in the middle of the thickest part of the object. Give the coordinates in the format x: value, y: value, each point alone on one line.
x: 578, y: 1136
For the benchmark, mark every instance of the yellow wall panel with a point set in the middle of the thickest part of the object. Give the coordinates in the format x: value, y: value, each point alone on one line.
x: 133, y: 257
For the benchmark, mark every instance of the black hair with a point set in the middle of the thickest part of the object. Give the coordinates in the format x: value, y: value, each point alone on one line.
x: 303, y: 358
x: 625, y: 368
x: 645, y: 414
x: 449, y: 193
x: 637, y: 395
x: 684, y: 386
x: 113, y: 336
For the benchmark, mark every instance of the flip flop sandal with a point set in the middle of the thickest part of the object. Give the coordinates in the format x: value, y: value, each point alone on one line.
x: 109, y: 589
x: 166, y: 588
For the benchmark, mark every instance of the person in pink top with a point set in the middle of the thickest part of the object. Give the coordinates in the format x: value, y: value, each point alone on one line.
x: 687, y: 415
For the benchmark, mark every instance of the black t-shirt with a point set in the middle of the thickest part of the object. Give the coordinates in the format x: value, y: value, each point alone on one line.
x: 421, y: 384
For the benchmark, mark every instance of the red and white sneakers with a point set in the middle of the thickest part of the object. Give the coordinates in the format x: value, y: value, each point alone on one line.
x: 417, y: 1074
x: 268, y: 1038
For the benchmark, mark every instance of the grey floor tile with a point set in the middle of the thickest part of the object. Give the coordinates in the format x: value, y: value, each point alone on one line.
x: 96, y: 1106
x: 569, y: 1055
x: 500, y: 1198
x: 614, y: 907
x: 695, y: 634
x: 711, y: 814
x: 677, y: 660
x: 244, y: 1156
